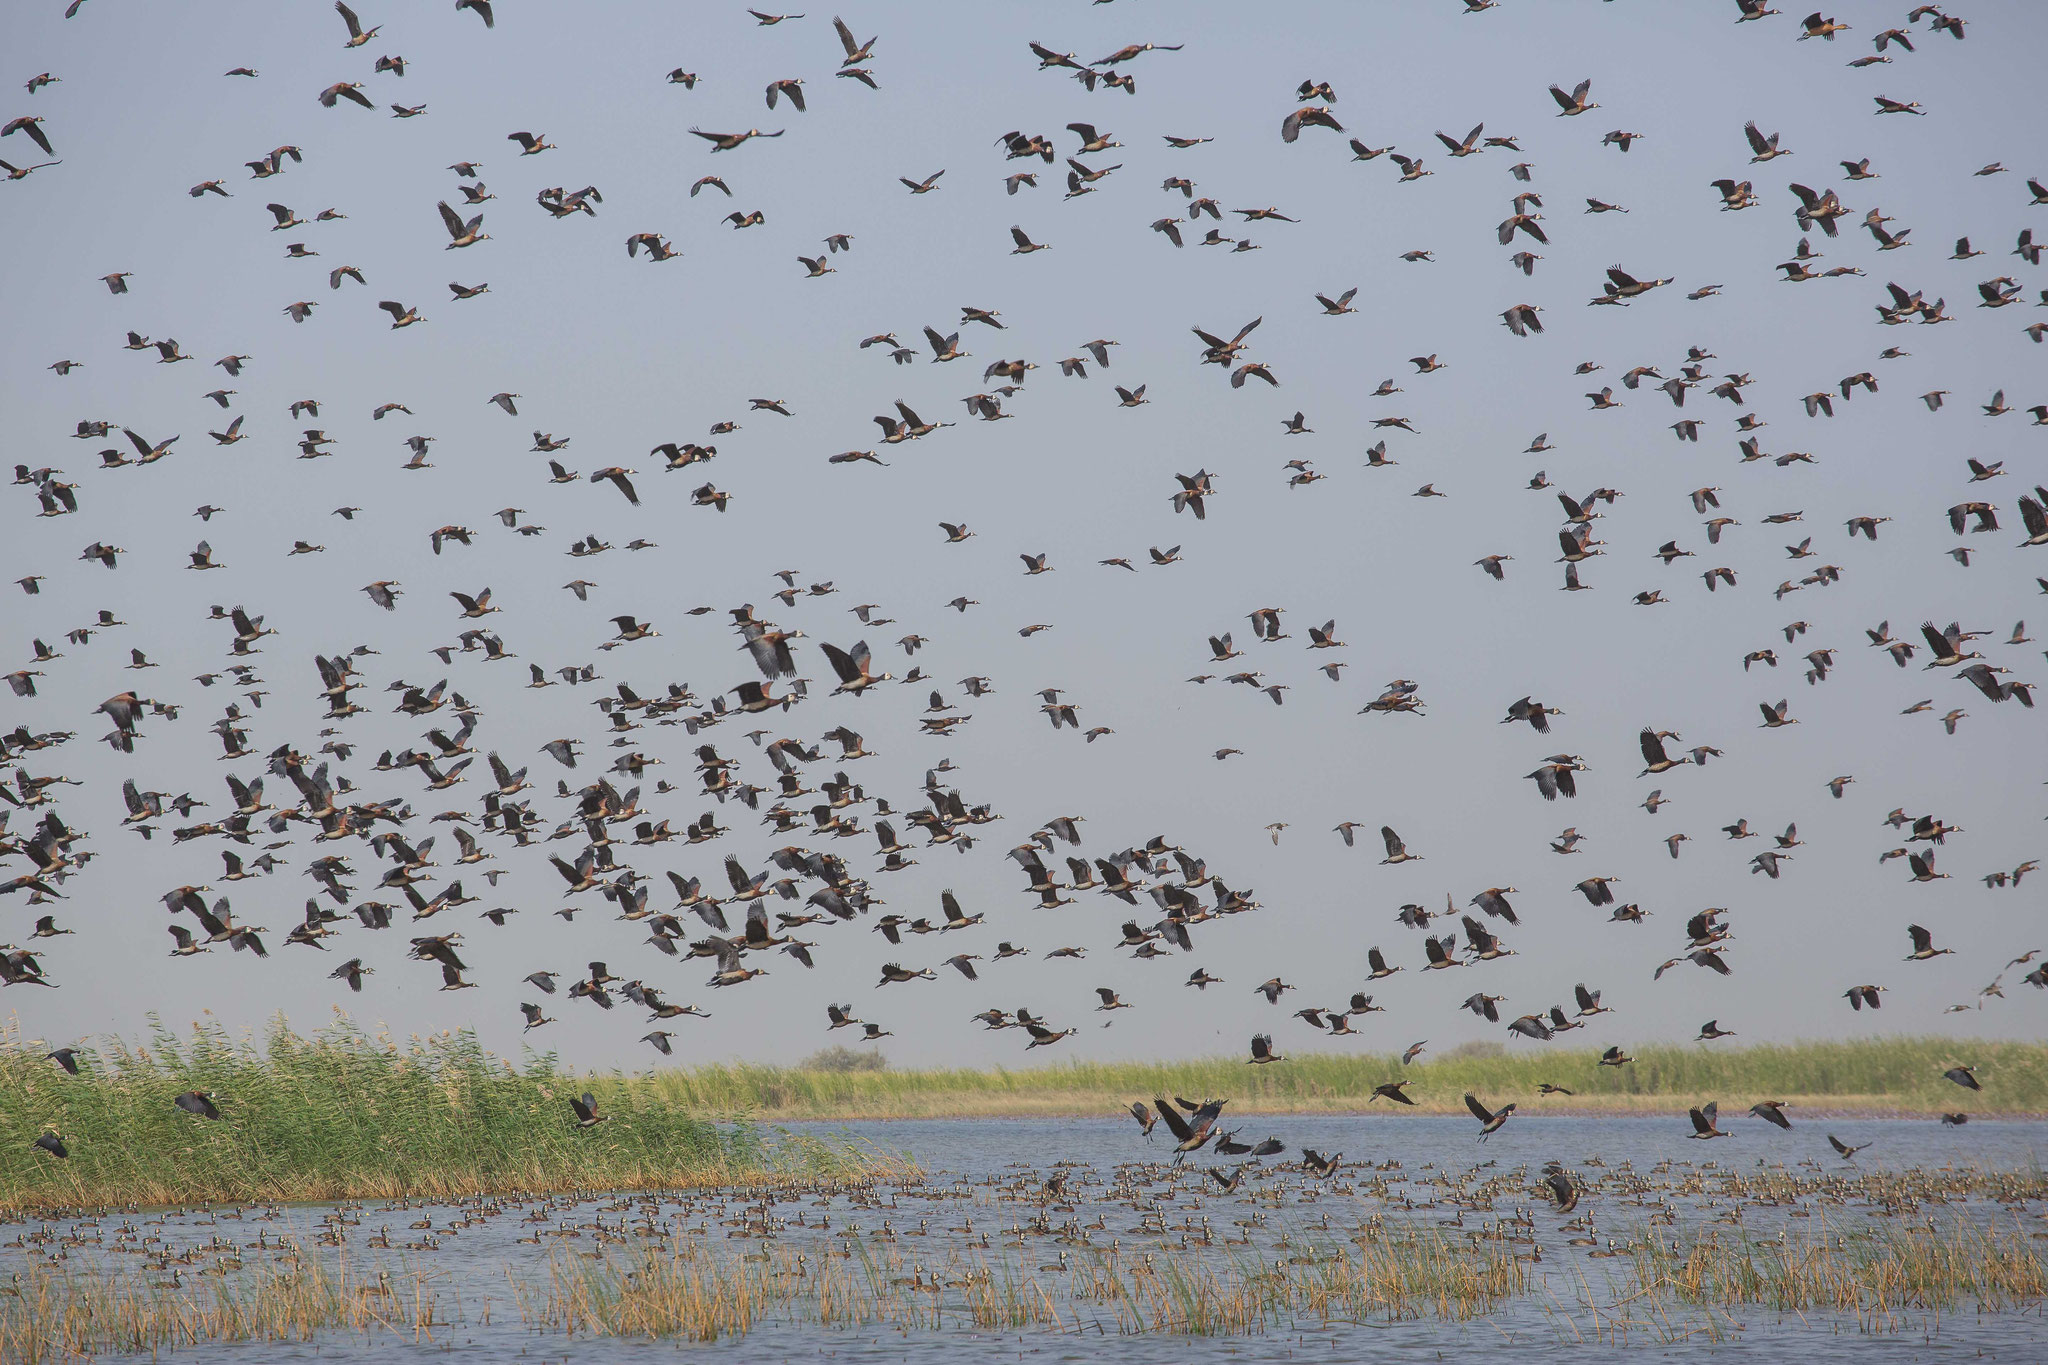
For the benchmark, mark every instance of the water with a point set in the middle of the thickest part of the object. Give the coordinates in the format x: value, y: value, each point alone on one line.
x: 982, y: 1202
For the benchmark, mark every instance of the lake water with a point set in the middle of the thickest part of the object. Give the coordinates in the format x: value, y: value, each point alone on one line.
x: 982, y: 1202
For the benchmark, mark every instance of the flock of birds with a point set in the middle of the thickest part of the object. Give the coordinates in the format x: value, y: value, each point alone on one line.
x: 309, y: 803
x: 940, y: 1240
x: 1195, y: 1126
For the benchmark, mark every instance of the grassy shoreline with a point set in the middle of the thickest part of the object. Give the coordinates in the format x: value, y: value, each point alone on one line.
x: 1880, y: 1077
x: 345, y: 1114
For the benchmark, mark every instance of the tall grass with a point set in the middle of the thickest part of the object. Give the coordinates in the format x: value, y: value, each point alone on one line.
x: 49, y: 1313
x: 692, y: 1292
x: 343, y: 1113
x: 346, y: 1114
x: 1876, y: 1270
x: 1881, y: 1074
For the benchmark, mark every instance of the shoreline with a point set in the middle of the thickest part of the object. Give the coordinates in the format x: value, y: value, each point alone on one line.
x: 1898, y: 1076
x: 342, y: 1113
x: 1814, y: 1111
x: 975, y: 1109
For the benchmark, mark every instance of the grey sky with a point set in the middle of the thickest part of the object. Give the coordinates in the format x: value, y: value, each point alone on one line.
x: 620, y: 354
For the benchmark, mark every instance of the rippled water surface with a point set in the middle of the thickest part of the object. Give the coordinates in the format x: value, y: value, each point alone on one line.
x: 982, y: 1203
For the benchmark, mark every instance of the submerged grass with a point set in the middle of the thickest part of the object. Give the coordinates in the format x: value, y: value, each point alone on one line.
x: 52, y: 1314
x: 694, y: 1293
x: 1879, y: 1075
x: 1883, y: 1269
x: 675, y: 1289
x: 346, y: 1114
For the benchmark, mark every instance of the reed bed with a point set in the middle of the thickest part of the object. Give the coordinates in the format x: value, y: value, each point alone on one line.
x: 676, y: 1289
x: 1873, y: 1276
x: 53, y: 1314
x: 346, y: 1114
x: 1877, y: 1075
x: 1382, y: 1274
x: 1880, y: 1270
x: 692, y: 1293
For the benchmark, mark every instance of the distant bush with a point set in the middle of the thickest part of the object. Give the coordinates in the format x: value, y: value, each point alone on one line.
x: 1475, y: 1050
x: 843, y: 1059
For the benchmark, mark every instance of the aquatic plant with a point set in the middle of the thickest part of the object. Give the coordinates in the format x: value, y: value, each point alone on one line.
x: 50, y: 1313
x: 343, y: 1113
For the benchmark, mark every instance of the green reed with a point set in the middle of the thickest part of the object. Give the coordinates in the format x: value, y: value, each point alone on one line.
x: 343, y: 1113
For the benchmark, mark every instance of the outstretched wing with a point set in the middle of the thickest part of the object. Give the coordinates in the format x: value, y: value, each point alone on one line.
x: 1653, y: 747
x: 1174, y: 1122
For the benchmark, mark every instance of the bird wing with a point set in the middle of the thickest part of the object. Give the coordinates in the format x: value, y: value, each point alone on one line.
x: 1177, y: 1125
x: 1653, y: 747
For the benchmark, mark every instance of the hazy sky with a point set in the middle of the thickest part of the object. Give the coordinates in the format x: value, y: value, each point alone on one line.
x: 618, y: 355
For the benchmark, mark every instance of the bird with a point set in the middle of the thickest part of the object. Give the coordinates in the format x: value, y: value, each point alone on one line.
x: 1771, y: 1111
x: 1704, y: 1122
x: 1193, y: 1131
x: 1397, y: 852
x: 1923, y: 946
x: 1654, y: 754
x: 1575, y: 102
x: 197, y: 1103
x: 1490, y: 1121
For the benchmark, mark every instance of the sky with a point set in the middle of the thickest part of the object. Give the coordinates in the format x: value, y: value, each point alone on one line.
x: 617, y: 355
